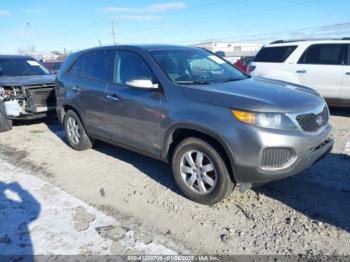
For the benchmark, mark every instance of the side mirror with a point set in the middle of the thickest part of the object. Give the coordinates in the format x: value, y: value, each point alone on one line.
x: 142, y: 83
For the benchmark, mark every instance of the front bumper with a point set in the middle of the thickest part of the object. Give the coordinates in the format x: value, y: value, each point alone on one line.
x: 308, y: 149
x: 31, y: 102
x: 33, y: 116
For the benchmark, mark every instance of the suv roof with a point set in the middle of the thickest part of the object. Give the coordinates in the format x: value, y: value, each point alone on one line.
x: 141, y: 46
x: 311, y: 40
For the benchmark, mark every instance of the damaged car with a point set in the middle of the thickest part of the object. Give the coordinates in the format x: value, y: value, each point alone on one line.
x: 26, y: 90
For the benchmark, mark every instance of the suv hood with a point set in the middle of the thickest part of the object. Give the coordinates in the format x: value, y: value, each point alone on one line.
x: 256, y: 94
x: 26, y: 80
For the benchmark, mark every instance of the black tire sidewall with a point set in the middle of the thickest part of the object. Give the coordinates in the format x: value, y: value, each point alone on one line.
x: 85, y: 141
x: 223, y: 185
x: 5, y: 124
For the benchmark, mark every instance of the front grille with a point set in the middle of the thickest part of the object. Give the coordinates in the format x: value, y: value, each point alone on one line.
x: 41, y: 96
x: 276, y: 157
x: 46, y: 85
x: 313, y: 122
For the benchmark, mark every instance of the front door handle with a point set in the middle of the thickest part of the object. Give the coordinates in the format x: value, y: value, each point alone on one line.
x: 347, y: 73
x: 113, y: 98
x: 301, y: 71
x: 76, y: 89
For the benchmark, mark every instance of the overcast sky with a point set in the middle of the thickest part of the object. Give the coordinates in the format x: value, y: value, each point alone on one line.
x: 77, y: 24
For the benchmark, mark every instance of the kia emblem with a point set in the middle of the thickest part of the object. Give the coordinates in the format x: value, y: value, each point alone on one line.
x: 319, y: 120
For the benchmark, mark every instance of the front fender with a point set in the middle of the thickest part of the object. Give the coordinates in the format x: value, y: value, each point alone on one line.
x: 200, y: 129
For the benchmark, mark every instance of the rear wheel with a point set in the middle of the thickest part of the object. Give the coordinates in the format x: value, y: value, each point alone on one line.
x: 5, y: 124
x: 75, y: 132
x: 200, y: 171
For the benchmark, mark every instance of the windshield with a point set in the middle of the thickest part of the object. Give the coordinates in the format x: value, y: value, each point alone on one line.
x: 195, y: 66
x: 21, y: 67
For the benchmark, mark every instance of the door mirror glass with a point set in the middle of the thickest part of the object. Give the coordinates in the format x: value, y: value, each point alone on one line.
x: 142, y: 83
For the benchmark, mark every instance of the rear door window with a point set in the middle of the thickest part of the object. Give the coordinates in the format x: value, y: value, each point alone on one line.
x: 98, y: 65
x: 323, y: 54
x: 348, y: 55
x: 276, y: 54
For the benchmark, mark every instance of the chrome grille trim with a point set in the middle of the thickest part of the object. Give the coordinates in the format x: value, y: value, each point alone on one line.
x: 312, y: 122
x: 306, y: 121
x: 44, y: 85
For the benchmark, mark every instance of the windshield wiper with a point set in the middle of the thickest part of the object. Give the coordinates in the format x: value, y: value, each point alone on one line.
x: 194, y: 82
x: 232, y: 79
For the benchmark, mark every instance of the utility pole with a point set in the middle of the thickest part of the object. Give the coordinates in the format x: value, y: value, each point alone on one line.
x: 32, y: 36
x: 113, y: 32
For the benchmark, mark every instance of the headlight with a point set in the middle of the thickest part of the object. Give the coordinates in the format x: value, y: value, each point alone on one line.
x: 267, y: 120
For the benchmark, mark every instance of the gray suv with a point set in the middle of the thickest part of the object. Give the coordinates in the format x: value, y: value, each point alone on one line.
x: 215, y: 125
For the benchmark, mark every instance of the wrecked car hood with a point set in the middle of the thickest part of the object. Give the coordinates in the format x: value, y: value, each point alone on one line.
x: 26, y: 80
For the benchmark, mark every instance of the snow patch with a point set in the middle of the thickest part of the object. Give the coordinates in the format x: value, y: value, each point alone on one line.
x: 39, y: 218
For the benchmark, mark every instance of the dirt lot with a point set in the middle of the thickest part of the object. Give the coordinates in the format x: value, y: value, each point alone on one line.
x: 308, y: 213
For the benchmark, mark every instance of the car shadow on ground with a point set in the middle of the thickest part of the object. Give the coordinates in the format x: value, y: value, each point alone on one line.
x: 321, y: 192
x: 155, y: 169
x: 339, y: 111
x: 18, y: 208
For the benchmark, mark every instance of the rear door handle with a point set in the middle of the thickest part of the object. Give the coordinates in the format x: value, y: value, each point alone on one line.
x: 113, y: 97
x: 301, y: 71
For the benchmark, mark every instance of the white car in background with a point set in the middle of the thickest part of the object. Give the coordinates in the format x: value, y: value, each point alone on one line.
x: 323, y: 65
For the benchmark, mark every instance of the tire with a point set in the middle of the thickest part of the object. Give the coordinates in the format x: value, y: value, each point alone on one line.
x: 78, y: 139
x: 5, y: 124
x: 209, y: 158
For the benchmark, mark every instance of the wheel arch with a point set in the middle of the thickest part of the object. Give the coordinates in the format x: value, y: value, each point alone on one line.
x: 63, y: 110
x: 179, y: 132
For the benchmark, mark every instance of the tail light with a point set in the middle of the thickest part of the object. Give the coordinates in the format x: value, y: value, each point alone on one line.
x: 251, y: 68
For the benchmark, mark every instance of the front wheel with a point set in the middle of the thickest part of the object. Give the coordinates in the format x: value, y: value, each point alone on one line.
x: 5, y: 124
x: 200, y: 171
x: 75, y: 132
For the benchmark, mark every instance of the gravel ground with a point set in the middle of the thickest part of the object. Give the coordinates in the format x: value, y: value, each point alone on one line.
x: 305, y: 214
x: 41, y: 219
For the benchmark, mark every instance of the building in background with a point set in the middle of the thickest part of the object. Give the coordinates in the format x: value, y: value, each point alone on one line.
x: 43, y: 55
x: 232, y: 51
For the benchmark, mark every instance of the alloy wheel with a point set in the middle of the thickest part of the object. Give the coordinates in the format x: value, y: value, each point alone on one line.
x: 198, y: 172
x: 73, y: 130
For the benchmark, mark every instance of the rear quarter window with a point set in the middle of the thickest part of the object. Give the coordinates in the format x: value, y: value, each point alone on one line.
x: 276, y: 54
